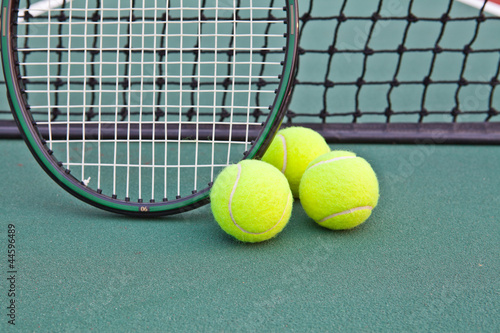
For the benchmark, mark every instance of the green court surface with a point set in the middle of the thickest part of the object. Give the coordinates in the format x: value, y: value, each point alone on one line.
x: 426, y: 260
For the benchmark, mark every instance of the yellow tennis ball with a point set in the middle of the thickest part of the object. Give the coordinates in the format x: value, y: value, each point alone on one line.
x: 292, y: 150
x: 251, y: 201
x: 339, y: 190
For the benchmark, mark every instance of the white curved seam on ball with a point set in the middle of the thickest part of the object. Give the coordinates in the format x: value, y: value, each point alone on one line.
x: 232, y: 194
x: 349, y: 211
x: 231, y: 212
x: 332, y: 160
x: 283, y: 169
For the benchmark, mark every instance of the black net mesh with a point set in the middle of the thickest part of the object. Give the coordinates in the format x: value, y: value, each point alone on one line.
x: 392, y: 62
x: 397, y: 61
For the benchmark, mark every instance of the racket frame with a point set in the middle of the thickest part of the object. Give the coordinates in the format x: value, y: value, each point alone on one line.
x: 43, y: 155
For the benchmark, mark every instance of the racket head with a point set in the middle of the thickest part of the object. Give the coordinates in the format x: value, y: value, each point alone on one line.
x: 41, y: 139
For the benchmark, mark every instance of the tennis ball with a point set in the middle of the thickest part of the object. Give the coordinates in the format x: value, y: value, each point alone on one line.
x: 292, y: 150
x: 251, y: 201
x: 339, y: 190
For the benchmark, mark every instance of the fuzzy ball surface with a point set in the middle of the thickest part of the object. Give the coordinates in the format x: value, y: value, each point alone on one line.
x: 339, y: 190
x: 251, y: 201
x: 292, y: 150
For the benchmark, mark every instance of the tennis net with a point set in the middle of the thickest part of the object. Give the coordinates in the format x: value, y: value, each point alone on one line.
x: 389, y: 71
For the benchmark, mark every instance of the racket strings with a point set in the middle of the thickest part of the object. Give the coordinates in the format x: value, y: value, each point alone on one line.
x: 129, y: 80
x: 151, y: 100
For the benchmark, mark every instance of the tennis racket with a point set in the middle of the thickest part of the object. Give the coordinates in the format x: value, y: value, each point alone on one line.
x: 135, y: 106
